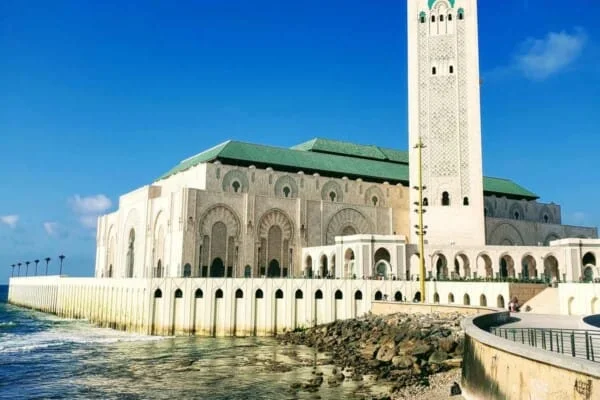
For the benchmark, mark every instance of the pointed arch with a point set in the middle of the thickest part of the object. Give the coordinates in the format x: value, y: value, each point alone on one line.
x: 374, y: 192
x: 284, y: 182
x: 220, y: 213
x: 347, y: 217
x: 332, y: 187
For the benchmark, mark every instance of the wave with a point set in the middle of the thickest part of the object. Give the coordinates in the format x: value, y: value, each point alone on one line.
x: 7, y: 323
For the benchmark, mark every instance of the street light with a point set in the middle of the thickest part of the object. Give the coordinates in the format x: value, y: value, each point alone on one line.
x: 47, y: 259
x: 62, y: 257
x: 27, y: 267
x: 12, y: 272
x: 19, y: 270
x: 420, y: 227
x: 36, y: 263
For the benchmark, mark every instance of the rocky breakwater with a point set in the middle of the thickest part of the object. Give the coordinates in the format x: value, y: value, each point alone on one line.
x: 398, y: 350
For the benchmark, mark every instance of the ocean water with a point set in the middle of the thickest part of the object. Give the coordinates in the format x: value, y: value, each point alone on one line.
x: 46, y: 357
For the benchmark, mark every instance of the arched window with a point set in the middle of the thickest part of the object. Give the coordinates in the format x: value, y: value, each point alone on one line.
x: 517, y: 215
x: 546, y: 219
x: 187, y: 271
x: 358, y: 295
x: 219, y: 294
x: 299, y: 294
x: 441, y: 18
x: 131, y: 253
x: 247, y: 271
x: 449, y: 17
x: 236, y: 186
x: 279, y: 294
x: 259, y: 294
x: 461, y: 14
x: 425, y: 201
x: 287, y: 191
x: 398, y: 296
x: 450, y: 298
x: 465, y: 201
x: 433, y: 70
x: 318, y: 295
x: 436, y: 298
x: 375, y: 200
x: 110, y: 271
x: 339, y: 295
x: 422, y: 18
x: 445, y: 199
x: 433, y: 18
x: 239, y: 294
x: 378, y: 295
x: 178, y: 294
x: 451, y: 69
x: 332, y: 195
x: 199, y: 294
x: 157, y: 294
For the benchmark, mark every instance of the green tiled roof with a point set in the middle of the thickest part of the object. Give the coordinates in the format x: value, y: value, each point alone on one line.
x: 331, y: 158
x: 353, y: 150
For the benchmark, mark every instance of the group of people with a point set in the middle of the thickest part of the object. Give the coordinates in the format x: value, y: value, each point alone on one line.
x: 514, y: 306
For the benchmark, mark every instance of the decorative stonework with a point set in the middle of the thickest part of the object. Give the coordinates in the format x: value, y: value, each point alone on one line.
x: 220, y: 213
x: 284, y: 182
x: 506, y: 234
x: 235, y: 176
x: 276, y: 217
x: 463, y: 109
x: 345, y: 218
x: 332, y: 187
x: 374, y: 192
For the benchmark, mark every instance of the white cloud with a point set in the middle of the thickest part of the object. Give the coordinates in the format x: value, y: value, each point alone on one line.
x: 90, y: 205
x: 89, y: 221
x: 50, y: 228
x: 10, y: 220
x: 540, y: 58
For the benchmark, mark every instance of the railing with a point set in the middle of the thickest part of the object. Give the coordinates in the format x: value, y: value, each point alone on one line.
x: 577, y: 343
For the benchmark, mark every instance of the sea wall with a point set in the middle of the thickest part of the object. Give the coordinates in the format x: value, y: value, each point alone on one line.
x: 496, y: 368
x: 224, y: 306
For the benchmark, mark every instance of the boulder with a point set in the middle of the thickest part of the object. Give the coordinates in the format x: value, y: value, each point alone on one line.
x: 402, y: 362
x: 387, y: 351
x: 438, y: 357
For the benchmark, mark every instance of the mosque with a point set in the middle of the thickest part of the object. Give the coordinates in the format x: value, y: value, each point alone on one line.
x: 329, y: 208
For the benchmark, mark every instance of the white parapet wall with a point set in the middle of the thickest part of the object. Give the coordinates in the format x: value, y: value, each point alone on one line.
x: 229, y: 306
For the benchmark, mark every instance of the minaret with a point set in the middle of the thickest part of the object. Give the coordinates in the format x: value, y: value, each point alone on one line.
x: 444, y: 111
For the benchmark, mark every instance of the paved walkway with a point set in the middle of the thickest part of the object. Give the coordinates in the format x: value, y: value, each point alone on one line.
x: 526, y: 320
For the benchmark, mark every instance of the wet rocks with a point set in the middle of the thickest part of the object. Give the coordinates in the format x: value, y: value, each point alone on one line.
x: 399, y: 350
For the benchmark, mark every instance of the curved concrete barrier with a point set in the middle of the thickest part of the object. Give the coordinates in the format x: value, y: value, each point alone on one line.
x: 496, y: 368
x: 590, y: 322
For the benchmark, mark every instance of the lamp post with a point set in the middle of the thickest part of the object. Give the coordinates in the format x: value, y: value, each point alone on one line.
x: 19, y: 270
x: 47, y: 259
x: 420, y: 227
x: 36, y: 264
x: 61, y: 257
x: 27, y: 267
x: 12, y: 272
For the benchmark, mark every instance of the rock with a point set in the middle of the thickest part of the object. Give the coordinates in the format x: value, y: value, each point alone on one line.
x: 387, y: 351
x: 438, y: 357
x: 369, y: 351
x: 296, y: 385
x: 340, y: 377
x: 402, y: 362
x: 447, y: 344
x: 455, y: 389
x: 453, y: 362
x: 420, y: 350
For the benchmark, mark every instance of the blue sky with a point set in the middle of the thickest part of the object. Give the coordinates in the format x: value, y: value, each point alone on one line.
x: 97, y: 100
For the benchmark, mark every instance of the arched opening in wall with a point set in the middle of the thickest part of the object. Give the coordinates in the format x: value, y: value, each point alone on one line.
x: 178, y: 294
x: 441, y: 18
x: 546, y: 218
x: 433, y: 69
x: 274, y: 270
x: 589, y: 264
x: 358, y: 295
x: 158, y: 294
x: 484, y: 264
x: 422, y: 17
x: 441, y: 266
x: 483, y: 300
x: 219, y: 294
x: 528, y: 267
x: 382, y: 263
x: 217, y: 268
x: 450, y: 298
x: 318, y: 295
x: 198, y: 294
x: 398, y: 296
x: 417, y: 298
x: 466, y: 300
x: 259, y: 294
x: 425, y: 201
x: 461, y: 14
x: 339, y: 295
x: 279, y: 294
x: 507, y: 267
x: 349, y: 230
x: 517, y: 215
x: 332, y: 195
x: 570, y: 308
x: 413, y: 267
x: 349, y: 271
x: 130, y: 253
x: 374, y: 201
x: 299, y: 294
x: 500, y: 301
x: 308, y: 271
x: 436, y: 297
x: 332, y: 266
x: 588, y: 274
x: 286, y: 191
x: 159, y: 270
x: 433, y: 18
x: 110, y: 271
x: 247, y: 271
x: 236, y: 186
x: 378, y: 296
x: 465, y: 199
x: 551, y: 273
x: 187, y: 271
x: 445, y: 199
x: 239, y: 294
x: 323, y: 266
x: 462, y: 266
